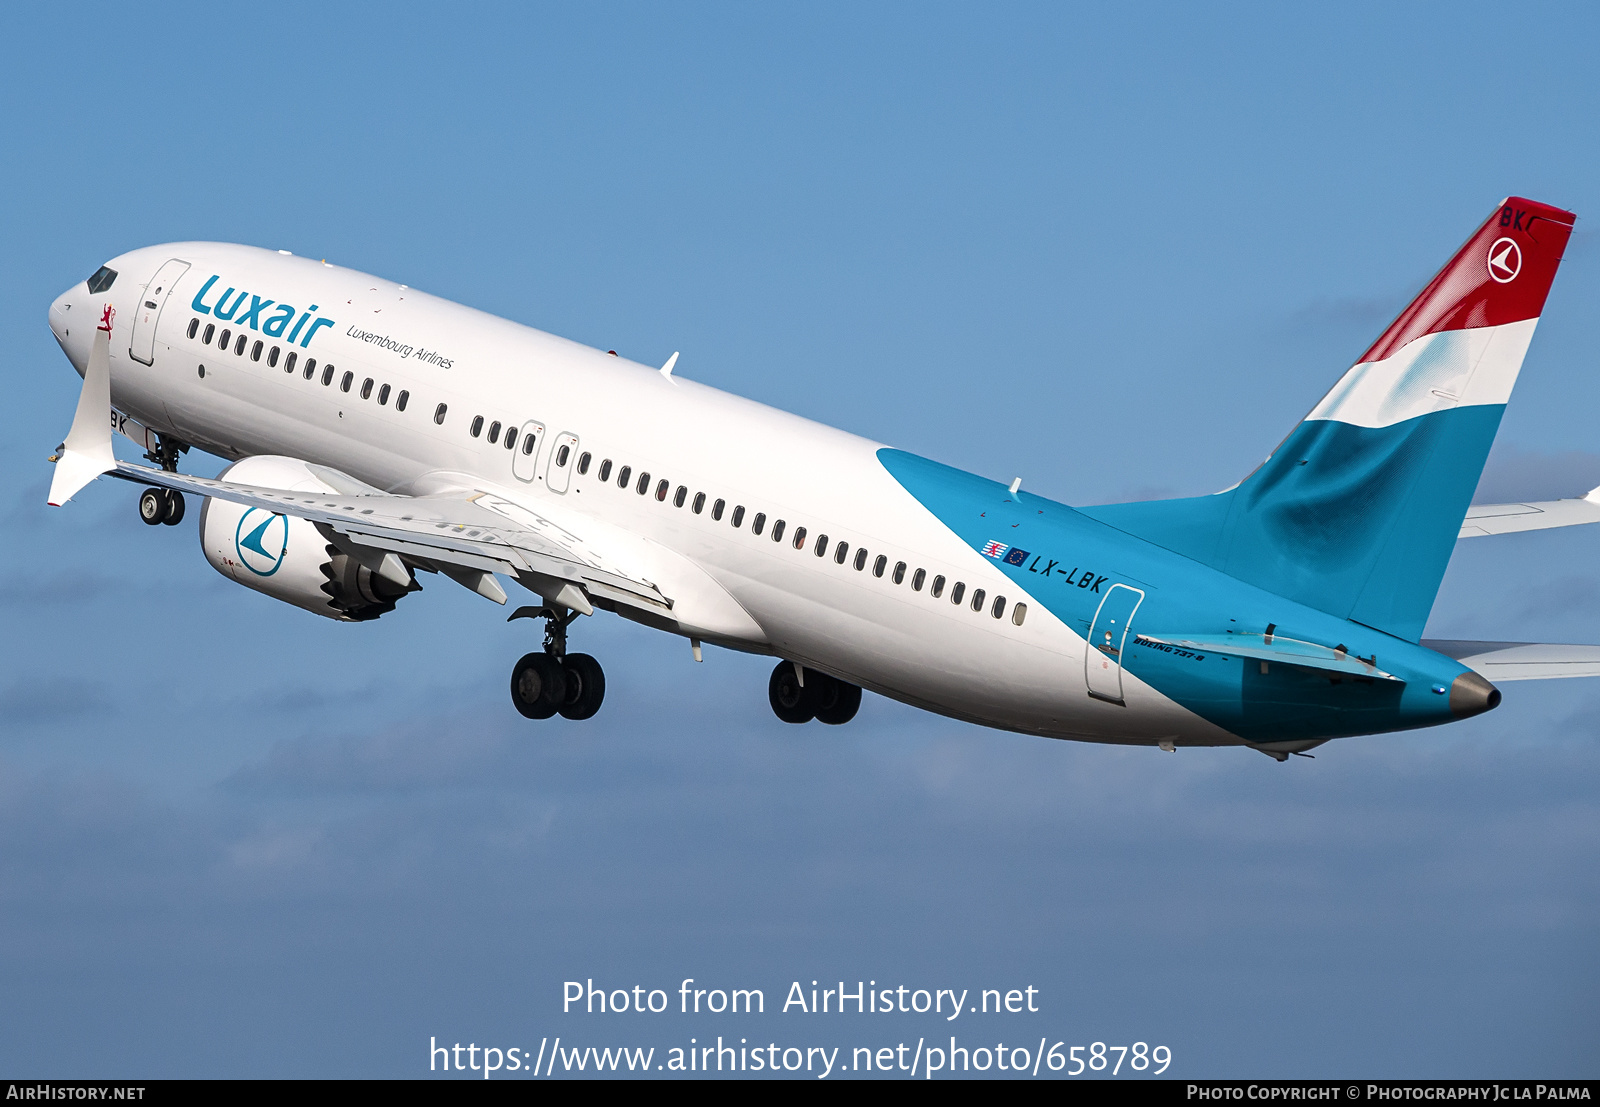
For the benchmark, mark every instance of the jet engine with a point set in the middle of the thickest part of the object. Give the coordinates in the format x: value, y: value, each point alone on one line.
x: 288, y: 558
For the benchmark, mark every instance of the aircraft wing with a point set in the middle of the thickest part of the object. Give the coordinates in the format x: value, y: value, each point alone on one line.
x: 1501, y: 661
x: 476, y: 532
x: 1485, y: 519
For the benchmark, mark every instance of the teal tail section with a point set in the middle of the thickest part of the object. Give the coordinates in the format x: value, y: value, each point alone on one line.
x: 1358, y: 511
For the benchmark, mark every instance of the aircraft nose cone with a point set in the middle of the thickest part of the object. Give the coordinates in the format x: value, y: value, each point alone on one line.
x: 61, y: 314
x: 1471, y: 695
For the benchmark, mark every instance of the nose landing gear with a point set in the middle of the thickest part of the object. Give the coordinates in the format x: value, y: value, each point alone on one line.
x: 822, y: 697
x: 556, y: 682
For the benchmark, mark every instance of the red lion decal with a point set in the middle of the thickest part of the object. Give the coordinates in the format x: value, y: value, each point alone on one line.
x: 106, y: 316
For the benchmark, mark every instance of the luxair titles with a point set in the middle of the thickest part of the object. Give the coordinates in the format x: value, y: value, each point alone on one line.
x: 230, y: 307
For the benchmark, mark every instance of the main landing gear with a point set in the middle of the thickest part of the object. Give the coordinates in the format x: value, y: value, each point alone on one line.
x: 161, y: 505
x: 556, y: 682
x: 822, y: 697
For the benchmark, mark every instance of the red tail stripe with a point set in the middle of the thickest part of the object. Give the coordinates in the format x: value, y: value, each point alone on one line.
x: 1488, y: 282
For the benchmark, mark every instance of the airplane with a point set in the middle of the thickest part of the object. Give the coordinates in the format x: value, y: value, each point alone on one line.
x: 377, y: 435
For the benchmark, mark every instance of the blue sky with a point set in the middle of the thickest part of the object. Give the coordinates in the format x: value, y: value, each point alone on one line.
x: 1116, y: 252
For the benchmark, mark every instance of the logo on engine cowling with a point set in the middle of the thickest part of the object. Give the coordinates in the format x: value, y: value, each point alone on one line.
x: 261, y: 539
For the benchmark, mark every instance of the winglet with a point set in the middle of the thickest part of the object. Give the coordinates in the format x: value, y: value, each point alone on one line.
x: 666, y: 370
x: 87, y: 451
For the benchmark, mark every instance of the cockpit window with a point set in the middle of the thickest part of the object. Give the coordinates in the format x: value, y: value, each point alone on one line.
x: 102, y: 279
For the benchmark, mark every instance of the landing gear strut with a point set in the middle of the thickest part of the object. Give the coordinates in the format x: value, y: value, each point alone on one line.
x: 556, y: 682
x: 822, y: 697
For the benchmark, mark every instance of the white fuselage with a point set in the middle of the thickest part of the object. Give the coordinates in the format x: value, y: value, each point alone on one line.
x: 728, y: 585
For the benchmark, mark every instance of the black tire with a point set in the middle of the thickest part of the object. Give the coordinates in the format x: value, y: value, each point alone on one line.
x: 586, y: 686
x: 153, y: 505
x: 174, y: 513
x: 843, y: 704
x: 790, y: 702
x: 538, y: 686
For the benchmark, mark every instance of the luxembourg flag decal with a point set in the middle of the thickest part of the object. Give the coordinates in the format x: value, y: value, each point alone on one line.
x: 996, y: 550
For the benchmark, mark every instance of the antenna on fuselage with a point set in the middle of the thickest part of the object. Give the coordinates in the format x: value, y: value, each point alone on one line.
x: 666, y: 370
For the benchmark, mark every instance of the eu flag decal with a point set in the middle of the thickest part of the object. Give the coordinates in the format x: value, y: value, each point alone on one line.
x: 996, y: 550
x: 1016, y: 556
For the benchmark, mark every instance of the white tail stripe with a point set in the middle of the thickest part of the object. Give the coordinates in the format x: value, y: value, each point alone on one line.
x: 1436, y: 372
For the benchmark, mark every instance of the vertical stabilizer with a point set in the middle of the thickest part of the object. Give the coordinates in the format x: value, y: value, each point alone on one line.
x: 1357, y: 511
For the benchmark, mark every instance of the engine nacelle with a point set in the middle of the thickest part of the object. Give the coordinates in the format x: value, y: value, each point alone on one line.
x: 285, y: 557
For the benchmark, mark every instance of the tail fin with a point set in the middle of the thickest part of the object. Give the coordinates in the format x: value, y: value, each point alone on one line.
x: 1357, y: 511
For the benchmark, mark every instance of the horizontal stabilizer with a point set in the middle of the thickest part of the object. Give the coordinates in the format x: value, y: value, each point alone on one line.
x: 1501, y: 661
x: 1485, y: 519
x: 1275, y: 647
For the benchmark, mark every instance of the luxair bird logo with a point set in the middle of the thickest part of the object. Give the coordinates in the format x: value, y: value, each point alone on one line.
x: 261, y: 540
x: 1505, y: 261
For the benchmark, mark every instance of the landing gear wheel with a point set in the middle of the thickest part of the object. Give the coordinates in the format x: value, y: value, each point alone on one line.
x: 837, y: 702
x: 790, y: 702
x: 153, y: 505
x: 586, y: 686
x: 174, y: 512
x: 538, y: 686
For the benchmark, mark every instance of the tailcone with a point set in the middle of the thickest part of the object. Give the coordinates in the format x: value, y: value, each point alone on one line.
x: 1471, y: 695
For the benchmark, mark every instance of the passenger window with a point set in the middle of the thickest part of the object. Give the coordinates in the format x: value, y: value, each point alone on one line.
x: 957, y: 592
x: 716, y: 509
x: 211, y: 329
x: 699, y: 502
x: 583, y: 465
x: 605, y: 470
x: 777, y: 531
x: 366, y: 389
x: 494, y: 432
x: 511, y: 438
x: 101, y: 280
x: 861, y: 558
x: 738, y: 515
x: 977, y: 599
x: 438, y: 412
x: 529, y: 441
x: 759, y: 523
x: 799, y: 538
x: 311, y: 368
x: 841, y: 552
x: 938, y: 587
x: 400, y: 400
x: 644, y: 484
x: 348, y: 379
x: 272, y: 358
x: 562, y: 454
x: 224, y: 338
x: 288, y: 362
x: 822, y: 545
x: 682, y: 494
x: 1019, y: 613
x: 917, y: 578
x: 879, y: 566
x: 255, y: 351
x: 662, y: 489
x: 194, y: 325
x: 622, y: 477
x: 999, y: 607
x: 899, y: 572
x: 238, y: 347
x: 383, y: 395
x: 327, y: 375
